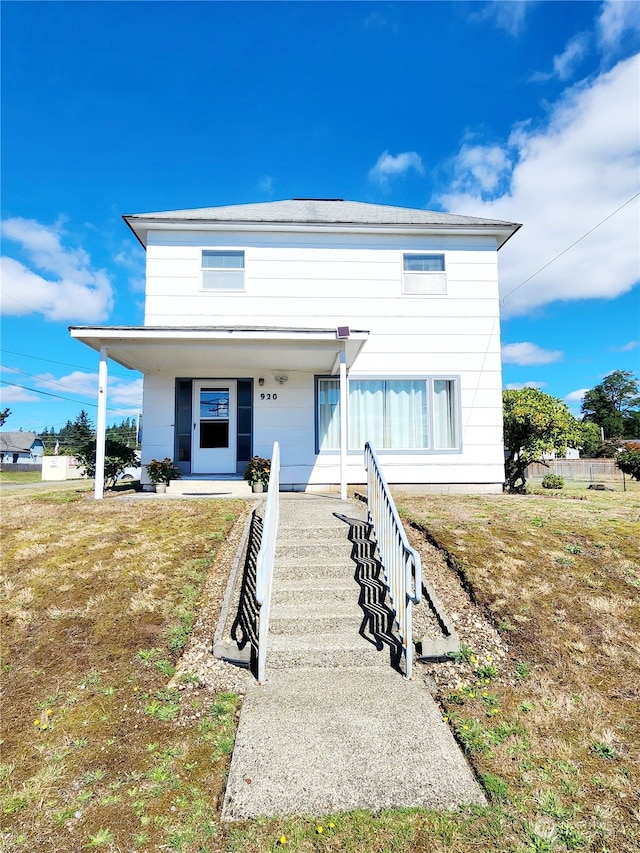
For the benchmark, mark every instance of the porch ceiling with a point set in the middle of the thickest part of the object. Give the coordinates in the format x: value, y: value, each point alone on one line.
x: 199, y: 351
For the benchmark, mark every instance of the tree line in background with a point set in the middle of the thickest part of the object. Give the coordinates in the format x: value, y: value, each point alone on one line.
x: 75, y: 435
x: 537, y: 425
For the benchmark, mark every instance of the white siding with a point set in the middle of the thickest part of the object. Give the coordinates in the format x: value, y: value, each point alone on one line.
x: 302, y: 281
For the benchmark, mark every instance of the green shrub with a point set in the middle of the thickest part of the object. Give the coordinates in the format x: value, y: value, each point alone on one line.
x: 628, y: 460
x: 117, y: 457
x: 553, y: 481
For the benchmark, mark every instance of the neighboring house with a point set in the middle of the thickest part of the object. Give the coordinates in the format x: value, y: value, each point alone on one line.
x: 570, y: 453
x: 18, y: 447
x: 320, y: 324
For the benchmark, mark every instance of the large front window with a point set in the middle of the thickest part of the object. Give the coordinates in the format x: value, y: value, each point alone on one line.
x: 392, y: 414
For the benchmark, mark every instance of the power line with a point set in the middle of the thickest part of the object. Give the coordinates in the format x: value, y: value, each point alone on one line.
x: 564, y: 251
x: 64, y: 363
x: 50, y: 381
x: 60, y: 397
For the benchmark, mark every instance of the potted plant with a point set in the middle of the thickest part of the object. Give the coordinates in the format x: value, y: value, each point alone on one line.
x: 257, y: 473
x: 161, y: 472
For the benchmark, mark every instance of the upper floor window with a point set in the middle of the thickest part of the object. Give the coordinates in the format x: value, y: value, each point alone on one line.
x: 424, y: 274
x: 222, y: 269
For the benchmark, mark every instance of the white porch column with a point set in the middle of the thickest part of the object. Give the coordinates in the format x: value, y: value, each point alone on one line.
x: 343, y: 422
x: 101, y: 426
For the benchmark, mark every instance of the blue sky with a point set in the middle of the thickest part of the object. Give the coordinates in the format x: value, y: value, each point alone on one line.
x: 526, y: 111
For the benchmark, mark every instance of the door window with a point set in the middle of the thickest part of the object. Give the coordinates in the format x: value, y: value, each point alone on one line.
x: 214, y: 417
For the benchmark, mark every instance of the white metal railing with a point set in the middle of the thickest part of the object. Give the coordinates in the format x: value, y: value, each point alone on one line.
x: 400, y: 562
x: 266, y: 560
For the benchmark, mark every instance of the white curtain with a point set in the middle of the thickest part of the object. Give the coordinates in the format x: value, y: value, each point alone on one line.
x: 406, y: 414
x: 366, y: 412
x: 444, y: 414
x: 390, y: 414
x: 329, y: 414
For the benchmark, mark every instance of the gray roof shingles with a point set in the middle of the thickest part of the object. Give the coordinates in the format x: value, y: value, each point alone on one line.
x: 321, y: 211
x: 16, y: 441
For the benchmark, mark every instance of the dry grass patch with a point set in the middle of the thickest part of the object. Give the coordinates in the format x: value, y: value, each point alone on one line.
x: 100, y: 753
x: 556, y: 732
x: 92, y: 755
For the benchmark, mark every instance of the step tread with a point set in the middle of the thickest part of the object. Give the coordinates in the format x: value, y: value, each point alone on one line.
x: 319, y: 640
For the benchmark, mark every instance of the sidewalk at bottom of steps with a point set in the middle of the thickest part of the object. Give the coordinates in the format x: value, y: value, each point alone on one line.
x: 325, y: 741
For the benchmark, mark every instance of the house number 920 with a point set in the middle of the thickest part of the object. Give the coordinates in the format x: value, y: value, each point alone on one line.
x: 268, y: 396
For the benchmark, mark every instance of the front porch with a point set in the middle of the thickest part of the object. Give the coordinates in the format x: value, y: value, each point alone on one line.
x: 214, y: 397
x: 225, y: 486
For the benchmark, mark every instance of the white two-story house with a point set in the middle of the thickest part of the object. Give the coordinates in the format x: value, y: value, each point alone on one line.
x: 320, y: 324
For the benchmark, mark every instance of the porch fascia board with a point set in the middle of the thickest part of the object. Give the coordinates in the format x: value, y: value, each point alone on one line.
x: 140, y: 347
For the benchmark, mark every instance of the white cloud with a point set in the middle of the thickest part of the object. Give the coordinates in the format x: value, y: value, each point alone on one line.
x: 616, y: 17
x: 77, y: 383
x: 389, y: 166
x: 565, y: 63
x: 121, y: 394
x: 77, y: 292
x: 384, y: 20
x: 506, y: 14
x: 568, y: 176
x: 518, y: 386
x: 628, y: 347
x: 484, y: 167
x: 265, y: 184
x: 128, y: 394
x: 133, y: 261
x: 528, y: 353
x: 13, y: 394
x: 576, y: 396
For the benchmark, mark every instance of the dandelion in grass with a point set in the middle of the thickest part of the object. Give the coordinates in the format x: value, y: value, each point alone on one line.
x: 320, y: 830
x: 282, y: 840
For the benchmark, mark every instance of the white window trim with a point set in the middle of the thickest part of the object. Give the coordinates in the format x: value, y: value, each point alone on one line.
x: 435, y: 282
x: 429, y: 379
x: 241, y: 271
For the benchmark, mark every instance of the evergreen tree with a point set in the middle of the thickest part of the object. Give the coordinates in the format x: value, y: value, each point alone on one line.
x: 613, y: 404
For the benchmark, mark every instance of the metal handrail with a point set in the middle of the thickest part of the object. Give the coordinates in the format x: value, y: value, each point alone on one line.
x: 266, y: 560
x: 400, y: 562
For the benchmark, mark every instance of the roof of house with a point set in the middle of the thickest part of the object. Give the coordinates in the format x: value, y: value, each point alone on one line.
x: 16, y: 441
x: 316, y: 211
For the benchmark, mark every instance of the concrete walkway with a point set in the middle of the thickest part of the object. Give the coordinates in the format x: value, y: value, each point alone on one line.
x: 335, y: 729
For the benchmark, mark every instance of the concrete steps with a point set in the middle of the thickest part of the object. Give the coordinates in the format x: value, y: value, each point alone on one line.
x: 315, y: 617
x: 326, y: 650
x: 334, y: 727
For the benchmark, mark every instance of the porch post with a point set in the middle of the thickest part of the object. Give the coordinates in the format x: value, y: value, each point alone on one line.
x: 101, y: 426
x: 343, y: 422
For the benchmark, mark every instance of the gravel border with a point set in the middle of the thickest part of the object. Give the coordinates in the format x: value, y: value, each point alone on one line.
x: 197, y: 669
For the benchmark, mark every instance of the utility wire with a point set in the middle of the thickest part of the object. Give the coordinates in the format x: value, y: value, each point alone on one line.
x: 48, y: 393
x: 564, y: 251
x: 50, y: 381
x: 64, y: 363
x: 59, y: 396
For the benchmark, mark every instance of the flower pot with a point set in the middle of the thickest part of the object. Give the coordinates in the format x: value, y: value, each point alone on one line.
x: 257, y: 487
x: 161, y: 488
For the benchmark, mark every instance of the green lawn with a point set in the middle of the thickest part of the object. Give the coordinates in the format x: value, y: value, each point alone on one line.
x: 21, y: 476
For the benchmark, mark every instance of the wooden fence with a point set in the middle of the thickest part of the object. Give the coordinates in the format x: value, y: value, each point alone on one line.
x: 583, y: 470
